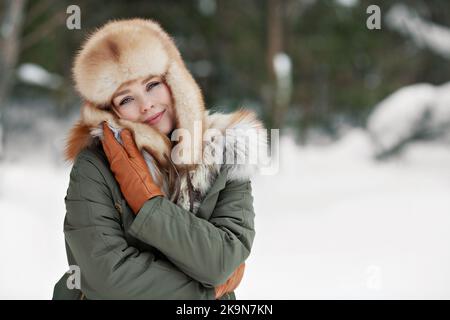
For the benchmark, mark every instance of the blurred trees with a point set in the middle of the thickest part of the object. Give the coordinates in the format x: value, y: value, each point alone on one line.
x: 10, y: 31
x: 340, y: 69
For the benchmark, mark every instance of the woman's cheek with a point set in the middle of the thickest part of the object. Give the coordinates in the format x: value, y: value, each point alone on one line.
x: 171, y: 120
x: 128, y: 114
x: 165, y: 126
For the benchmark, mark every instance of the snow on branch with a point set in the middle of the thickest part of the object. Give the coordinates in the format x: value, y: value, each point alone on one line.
x: 424, y: 33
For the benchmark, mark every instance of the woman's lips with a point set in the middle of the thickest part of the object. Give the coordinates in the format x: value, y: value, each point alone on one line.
x: 155, y: 119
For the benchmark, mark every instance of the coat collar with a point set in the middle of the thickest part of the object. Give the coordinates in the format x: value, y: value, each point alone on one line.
x: 223, y: 133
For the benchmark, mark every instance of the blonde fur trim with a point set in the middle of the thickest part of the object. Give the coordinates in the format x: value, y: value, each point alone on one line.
x: 222, y: 140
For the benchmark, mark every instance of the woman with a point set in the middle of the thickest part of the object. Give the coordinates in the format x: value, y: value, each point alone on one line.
x: 150, y: 214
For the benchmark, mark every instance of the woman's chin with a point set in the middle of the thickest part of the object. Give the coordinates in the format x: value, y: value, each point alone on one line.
x: 162, y: 128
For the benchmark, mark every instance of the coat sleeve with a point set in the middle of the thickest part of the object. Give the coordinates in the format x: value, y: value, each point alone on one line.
x: 207, y: 250
x: 109, y: 267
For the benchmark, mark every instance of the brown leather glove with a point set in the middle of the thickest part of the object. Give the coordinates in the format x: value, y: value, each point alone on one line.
x: 129, y: 168
x: 232, y: 283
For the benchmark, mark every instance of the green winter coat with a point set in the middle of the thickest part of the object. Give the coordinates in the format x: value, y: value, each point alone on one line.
x: 163, y: 252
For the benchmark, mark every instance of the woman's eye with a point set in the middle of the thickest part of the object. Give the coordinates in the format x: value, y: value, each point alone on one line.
x: 126, y: 100
x: 151, y: 85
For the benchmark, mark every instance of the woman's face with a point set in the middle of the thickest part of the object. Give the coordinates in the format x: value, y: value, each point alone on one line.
x: 147, y: 100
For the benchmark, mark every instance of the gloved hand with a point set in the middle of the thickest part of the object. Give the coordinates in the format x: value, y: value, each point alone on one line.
x: 129, y: 168
x: 232, y: 283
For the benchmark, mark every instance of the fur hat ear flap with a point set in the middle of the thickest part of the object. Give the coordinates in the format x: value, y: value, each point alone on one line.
x: 189, y: 108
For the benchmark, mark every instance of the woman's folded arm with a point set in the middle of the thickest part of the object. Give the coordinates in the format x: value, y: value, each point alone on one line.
x: 109, y: 267
x: 207, y: 250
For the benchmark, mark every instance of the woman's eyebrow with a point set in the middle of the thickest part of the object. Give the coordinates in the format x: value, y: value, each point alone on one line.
x: 147, y: 79
x: 120, y: 93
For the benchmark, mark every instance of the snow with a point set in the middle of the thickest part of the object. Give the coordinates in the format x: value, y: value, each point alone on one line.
x: 207, y: 7
x: 34, y: 74
x: 341, y: 226
x: 347, y: 3
x: 332, y: 223
x: 32, y: 207
x: 282, y: 64
x: 423, y: 33
x: 409, y: 111
x: 1, y: 137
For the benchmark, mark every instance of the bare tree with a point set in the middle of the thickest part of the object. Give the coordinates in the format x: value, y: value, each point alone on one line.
x: 278, y: 64
x: 10, y: 31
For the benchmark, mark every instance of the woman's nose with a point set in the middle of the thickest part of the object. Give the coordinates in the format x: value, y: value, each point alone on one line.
x: 146, y: 106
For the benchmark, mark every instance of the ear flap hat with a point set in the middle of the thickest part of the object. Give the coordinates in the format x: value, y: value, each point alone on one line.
x: 123, y: 50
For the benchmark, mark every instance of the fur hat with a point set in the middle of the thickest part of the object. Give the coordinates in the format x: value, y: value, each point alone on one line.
x: 123, y: 50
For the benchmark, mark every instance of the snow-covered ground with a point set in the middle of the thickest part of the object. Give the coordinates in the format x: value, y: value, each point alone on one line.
x: 333, y: 223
